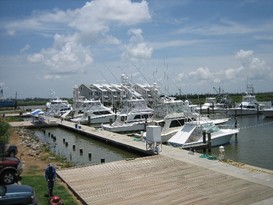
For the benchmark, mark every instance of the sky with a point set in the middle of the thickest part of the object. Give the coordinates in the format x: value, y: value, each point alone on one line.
x: 184, y: 46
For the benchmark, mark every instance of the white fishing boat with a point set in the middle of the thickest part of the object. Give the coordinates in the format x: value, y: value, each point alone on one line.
x: 57, y: 103
x: 212, y: 106
x: 57, y: 107
x: 133, y: 117
x: 171, y: 123
x: 93, y: 112
x: 191, y: 134
x: 249, y: 104
x: 88, y: 111
x: 171, y: 115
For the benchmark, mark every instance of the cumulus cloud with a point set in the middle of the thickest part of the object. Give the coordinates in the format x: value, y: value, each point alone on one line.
x: 94, y: 18
x: 201, y: 73
x: 252, y: 67
x: 100, y: 14
x: 201, y: 76
x: 137, y: 48
x: 233, y: 73
x: 64, y: 57
x: 242, y: 54
x: 76, y: 32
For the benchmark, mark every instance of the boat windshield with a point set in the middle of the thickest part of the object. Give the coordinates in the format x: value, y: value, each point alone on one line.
x: 210, y: 128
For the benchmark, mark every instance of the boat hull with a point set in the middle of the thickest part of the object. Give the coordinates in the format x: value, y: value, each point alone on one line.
x: 97, y: 120
x: 125, y: 128
x: 240, y: 112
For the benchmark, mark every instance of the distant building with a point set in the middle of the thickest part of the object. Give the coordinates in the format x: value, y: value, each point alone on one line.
x: 114, y: 94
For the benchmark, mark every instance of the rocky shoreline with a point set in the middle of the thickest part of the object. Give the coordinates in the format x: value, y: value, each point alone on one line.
x: 30, y: 146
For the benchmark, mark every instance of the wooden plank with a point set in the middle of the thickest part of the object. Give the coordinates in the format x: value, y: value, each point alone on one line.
x: 162, y: 180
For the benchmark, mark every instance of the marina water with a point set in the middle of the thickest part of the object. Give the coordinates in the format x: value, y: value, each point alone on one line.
x: 86, y: 151
x: 254, y: 144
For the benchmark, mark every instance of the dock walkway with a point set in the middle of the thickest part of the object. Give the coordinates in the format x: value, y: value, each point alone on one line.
x: 172, y: 177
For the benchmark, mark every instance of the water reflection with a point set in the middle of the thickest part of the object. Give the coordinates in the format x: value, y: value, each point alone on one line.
x: 80, y: 149
x: 254, y: 145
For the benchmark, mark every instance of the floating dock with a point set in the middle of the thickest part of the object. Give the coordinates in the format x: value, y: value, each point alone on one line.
x: 175, y: 176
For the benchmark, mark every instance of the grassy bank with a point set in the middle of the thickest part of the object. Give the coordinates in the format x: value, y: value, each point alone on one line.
x: 34, y: 165
x: 39, y: 183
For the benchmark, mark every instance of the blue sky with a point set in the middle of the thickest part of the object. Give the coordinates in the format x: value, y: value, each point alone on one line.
x: 187, y: 45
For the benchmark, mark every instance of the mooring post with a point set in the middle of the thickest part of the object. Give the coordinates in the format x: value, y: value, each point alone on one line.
x: 90, y: 155
x: 145, y: 124
x: 236, y: 125
x: 209, y: 143
x: 204, y: 141
x: 89, y: 119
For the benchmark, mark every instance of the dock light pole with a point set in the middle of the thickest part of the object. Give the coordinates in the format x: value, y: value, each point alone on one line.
x: 221, y: 153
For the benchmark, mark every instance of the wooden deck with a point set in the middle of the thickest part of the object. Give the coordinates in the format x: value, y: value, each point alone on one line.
x: 173, y: 177
x: 160, y: 180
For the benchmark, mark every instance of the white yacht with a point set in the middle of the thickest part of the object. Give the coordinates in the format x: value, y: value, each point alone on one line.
x: 191, y: 134
x: 171, y: 123
x: 92, y: 112
x: 88, y: 111
x: 57, y: 107
x: 249, y: 104
x: 57, y: 103
x: 133, y: 117
x: 211, y: 105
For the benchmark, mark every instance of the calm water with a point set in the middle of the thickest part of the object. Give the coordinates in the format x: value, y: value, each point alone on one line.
x: 98, y: 150
x: 254, y: 145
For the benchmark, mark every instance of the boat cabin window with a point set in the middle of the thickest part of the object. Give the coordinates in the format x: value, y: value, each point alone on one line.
x: 137, y: 117
x: 145, y: 116
x: 177, y: 123
x: 249, y: 106
x: 101, y: 112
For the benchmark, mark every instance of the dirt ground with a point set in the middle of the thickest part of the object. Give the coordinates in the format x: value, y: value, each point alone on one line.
x: 30, y: 163
x: 33, y: 165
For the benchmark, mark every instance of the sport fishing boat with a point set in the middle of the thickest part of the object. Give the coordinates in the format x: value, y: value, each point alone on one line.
x: 92, y: 112
x: 249, y: 104
x: 191, y: 134
x: 133, y: 117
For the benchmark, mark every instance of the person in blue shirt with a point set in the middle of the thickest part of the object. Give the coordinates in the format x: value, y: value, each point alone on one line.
x: 50, y: 176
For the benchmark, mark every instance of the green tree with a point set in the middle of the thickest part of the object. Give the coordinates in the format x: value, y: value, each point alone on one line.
x: 4, y: 132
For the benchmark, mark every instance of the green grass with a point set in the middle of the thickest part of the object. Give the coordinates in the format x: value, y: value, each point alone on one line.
x: 40, y: 186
